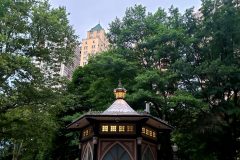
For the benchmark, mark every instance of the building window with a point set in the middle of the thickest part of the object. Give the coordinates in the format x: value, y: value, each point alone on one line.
x: 147, y: 154
x: 154, y: 134
x: 117, y: 152
x: 121, y: 128
x: 91, y: 35
x: 93, y: 42
x: 113, y: 128
x: 129, y: 128
x: 148, y: 132
x: 105, y: 128
x: 118, y: 129
x: 143, y: 130
x: 87, y: 132
x: 87, y: 154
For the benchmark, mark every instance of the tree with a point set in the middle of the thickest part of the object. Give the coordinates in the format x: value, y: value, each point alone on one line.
x: 210, y: 73
x: 98, y: 79
x: 30, y: 32
x: 199, y: 91
x: 186, y: 65
x: 91, y: 88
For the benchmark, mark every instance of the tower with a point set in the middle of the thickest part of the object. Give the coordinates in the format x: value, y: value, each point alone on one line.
x: 95, y: 42
x: 67, y: 70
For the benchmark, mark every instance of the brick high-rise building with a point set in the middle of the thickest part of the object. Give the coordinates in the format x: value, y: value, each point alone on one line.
x: 95, y: 42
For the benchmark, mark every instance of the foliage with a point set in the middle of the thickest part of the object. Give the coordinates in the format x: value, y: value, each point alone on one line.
x: 97, y: 80
x: 186, y: 65
x: 31, y: 34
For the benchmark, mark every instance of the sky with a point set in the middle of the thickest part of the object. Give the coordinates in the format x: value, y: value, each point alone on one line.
x: 85, y: 14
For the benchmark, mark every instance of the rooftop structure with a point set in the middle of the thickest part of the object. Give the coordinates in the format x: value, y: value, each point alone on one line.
x: 98, y: 27
x: 121, y: 133
x: 95, y: 42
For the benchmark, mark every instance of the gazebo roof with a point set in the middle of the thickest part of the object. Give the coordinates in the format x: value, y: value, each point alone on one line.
x: 120, y: 107
x: 119, y: 111
x: 83, y: 120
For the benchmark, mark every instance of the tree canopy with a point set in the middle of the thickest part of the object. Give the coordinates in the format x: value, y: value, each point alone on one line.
x: 31, y: 32
x: 185, y: 64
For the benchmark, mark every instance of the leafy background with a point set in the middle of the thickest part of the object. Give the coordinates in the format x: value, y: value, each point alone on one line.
x: 186, y: 65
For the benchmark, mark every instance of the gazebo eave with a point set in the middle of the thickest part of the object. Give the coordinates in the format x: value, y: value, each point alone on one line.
x: 83, y: 121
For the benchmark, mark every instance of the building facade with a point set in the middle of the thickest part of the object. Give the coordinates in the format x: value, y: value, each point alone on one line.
x: 95, y: 42
x: 66, y: 70
x: 52, y: 70
x: 121, y: 133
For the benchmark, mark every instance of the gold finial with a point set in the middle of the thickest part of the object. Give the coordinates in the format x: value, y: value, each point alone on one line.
x: 120, y: 92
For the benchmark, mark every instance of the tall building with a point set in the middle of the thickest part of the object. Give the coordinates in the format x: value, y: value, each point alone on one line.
x: 95, y: 42
x: 66, y: 70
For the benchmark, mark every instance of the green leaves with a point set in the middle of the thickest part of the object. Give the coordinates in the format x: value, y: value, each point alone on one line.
x: 188, y: 67
x: 31, y: 34
x: 97, y: 80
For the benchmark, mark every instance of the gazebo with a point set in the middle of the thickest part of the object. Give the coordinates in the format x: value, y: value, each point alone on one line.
x: 121, y: 133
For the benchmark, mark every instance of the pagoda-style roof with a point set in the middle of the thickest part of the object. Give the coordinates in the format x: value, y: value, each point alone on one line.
x: 98, y: 27
x: 120, y: 107
x: 119, y: 111
x: 83, y: 120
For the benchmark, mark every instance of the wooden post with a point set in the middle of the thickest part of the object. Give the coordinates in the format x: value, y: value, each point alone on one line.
x: 139, y: 137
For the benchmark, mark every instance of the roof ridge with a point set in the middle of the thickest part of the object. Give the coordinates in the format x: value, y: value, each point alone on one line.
x: 96, y: 28
x: 120, y: 107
